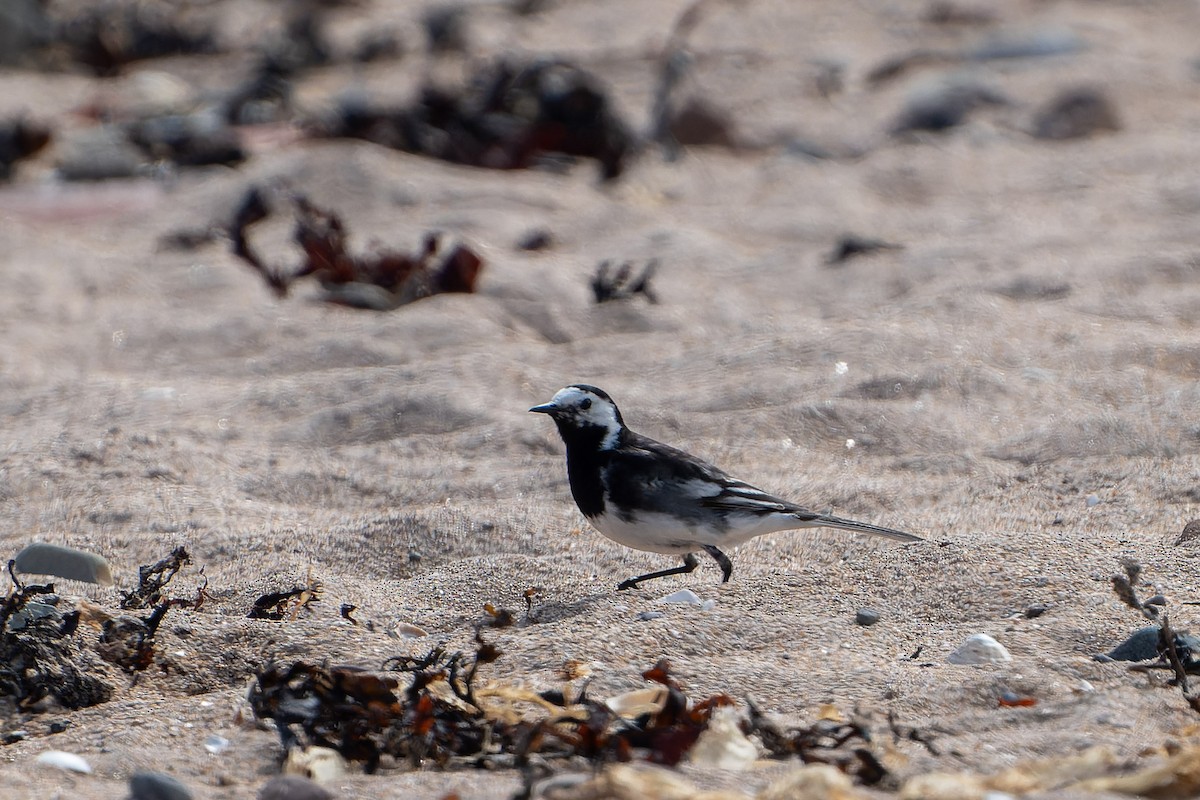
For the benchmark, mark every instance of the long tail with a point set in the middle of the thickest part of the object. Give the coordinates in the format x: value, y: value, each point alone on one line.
x: 862, y: 527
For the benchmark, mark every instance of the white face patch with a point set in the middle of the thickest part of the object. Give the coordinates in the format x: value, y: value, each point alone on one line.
x: 589, y: 408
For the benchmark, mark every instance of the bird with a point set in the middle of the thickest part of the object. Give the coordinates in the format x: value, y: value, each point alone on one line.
x: 653, y: 497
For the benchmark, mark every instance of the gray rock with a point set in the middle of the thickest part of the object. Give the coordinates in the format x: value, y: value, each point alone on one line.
x: 866, y: 616
x: 1142, y: 645
x: 292, y: 787
x: 157, y: 786
x: 646, y: 616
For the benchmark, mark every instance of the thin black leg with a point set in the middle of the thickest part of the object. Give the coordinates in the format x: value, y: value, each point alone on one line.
x: 722, y: 559
x: 690, y: 562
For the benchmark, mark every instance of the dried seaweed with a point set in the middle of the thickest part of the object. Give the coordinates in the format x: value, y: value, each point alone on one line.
x: 620, y: 285
x: 153, y: 579
x: 508, y: 116
x: 379, y: 280
x: 823, y: 742
x: 290, y: 602
x: 1174, y: 652
x: 431, y: 709
x: 41, y: 657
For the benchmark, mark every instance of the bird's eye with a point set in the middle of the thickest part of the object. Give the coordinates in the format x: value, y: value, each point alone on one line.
x: 585, y: 403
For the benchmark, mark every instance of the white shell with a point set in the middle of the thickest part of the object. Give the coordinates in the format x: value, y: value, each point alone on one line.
x: 60, y: 759
x: 979, y: 648
x: 638, y: 702
x: 722, y: 744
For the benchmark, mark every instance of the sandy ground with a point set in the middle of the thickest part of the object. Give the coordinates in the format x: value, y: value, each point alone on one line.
x: 153, y: 398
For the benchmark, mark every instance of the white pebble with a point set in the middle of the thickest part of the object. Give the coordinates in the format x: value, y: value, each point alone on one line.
x: 406, y: 630
x: 979, y: 648
x: 60, y: 759
x: 683, y: 597
x: 216, y: 744
x: 1092, y: 500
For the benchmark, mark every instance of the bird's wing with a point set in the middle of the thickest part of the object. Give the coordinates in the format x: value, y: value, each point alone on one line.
x: 663, y: 478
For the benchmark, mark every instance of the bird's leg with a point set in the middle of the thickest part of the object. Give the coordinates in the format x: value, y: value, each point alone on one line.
x: 690, y: 562
x: 722, y: 559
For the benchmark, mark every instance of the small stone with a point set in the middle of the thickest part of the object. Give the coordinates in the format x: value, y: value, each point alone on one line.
x: 43, y: 558
x: 682, y: 597
x: 1142, y: 645
x: 866, y: 617
x: 60, y: 759
x: 979, y: 648
x: 406, y: 630
x: 1092, y: 500
x: 1190, y: 531
x: 1076, y: 114
x: 292, y: 787
x: 1036, y: 610
x: 216, y: 744
x: 647, y: 616
x: 320, y: 764
x: 157, y: 786
x: 12, y: 737
x: 59, y: 725
x: 535, y: 239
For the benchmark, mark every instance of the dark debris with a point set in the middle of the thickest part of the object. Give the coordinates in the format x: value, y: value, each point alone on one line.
x: 508, y: 116
x: 621, y: 284
x: 44, y: 658
x: 153, y: 580
x: 428, y: 710
x: 379, y: 280
x: 276, y: 606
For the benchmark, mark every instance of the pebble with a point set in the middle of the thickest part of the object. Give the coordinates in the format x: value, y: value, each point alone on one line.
x: 406, y: 630
x: 647, y: 616
x: 216, y: 744
x: 866, y: 616
x: 157, y: 786
x: 321, y: 764
x: 60, y: 759
x: 43, y: 558
x: 689, y: 598
x: 292, y: 787
x: 1142, y: 645
x: 1092, y: 500
x: 1036, y: 610
x: 979, y: 648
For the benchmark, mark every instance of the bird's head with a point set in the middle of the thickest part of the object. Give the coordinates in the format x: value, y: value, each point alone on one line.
x: 583, y: 411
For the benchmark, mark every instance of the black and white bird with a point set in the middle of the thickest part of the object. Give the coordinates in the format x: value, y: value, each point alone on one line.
x: 649, y: 496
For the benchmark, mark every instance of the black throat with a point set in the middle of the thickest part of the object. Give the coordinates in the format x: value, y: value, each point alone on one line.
x: 585, y: 463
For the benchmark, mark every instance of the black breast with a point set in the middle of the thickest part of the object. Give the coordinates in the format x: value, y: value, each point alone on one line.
x: 585, y: 461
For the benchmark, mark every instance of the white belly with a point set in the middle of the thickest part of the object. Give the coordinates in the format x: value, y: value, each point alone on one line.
x: 664, y: 533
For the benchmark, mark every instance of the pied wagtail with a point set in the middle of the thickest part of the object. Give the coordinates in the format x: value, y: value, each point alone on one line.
x: 649, y: 496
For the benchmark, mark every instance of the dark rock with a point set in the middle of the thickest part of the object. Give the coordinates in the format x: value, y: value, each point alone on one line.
x: 24, y: 27
x: 157, y: 786
x: 699, y: 123
x: 851, y: 245
x: 19, y: 139
x: 1036, y: 610
x: 1076, y: 114
x: 446, y: 29
x: 944, y: 107
x: 866, y: 617
x: 1034, y: 289
x: 1142, y: 645
x: 535, y: 239
x: 292, y: 787
x: 188, y: 140
x: 99, y: 154
x: 1191, y: 531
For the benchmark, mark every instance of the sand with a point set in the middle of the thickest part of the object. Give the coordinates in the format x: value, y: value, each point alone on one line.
x: 1016, y: 383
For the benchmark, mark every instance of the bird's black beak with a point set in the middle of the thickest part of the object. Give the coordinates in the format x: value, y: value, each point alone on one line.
x: 545, y: 408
